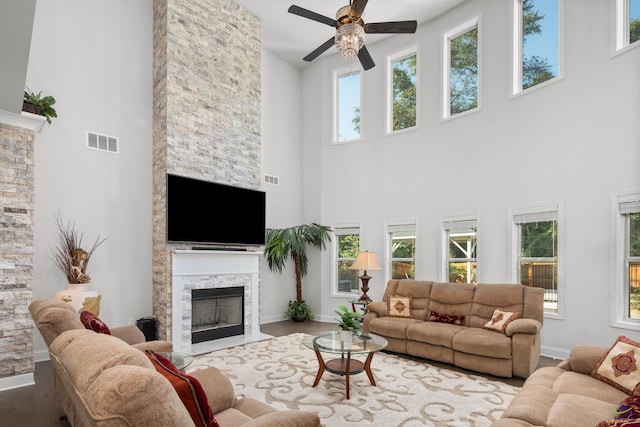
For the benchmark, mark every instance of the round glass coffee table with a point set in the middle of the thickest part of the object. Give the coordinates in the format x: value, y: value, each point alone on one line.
x: 330, y: 342
x: 179, y: 360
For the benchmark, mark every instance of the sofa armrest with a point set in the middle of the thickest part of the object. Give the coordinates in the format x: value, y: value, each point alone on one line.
x: 377, y: 307
x: 523, y: 326
x: 130, y: 334
x: 583, y: 358
x: 217, y: 387
x: 157, y: 346
x: 286, y: 418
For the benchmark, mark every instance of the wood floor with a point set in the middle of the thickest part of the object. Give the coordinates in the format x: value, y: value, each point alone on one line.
x: 37, y: 406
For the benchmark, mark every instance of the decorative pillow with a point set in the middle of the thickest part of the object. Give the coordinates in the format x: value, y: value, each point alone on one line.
x: 620, y: 423
x: 619, y: 367
x: 629, y: 409
x: 454, y: 319
x: 188, y: 388
x: 93, y: 322
x: 500, y: 320
x: 399, y: 307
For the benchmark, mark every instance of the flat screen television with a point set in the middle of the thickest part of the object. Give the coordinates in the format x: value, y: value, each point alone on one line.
x: 204, y: 212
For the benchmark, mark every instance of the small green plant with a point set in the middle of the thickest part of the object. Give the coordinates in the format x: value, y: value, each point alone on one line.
x: 44, y: 102
x: 299, y: 310
x: 349, y: 320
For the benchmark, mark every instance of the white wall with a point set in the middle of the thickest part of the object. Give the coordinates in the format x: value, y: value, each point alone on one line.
x: 575, y: 141
x: 95, y: 58
x: 281, y: 129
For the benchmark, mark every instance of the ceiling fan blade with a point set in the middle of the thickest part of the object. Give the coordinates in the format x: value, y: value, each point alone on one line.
x: 305, y: 13
x: 357, y: 8
x: 391, y: 27
x: 326, y: 45
x: 365, y: 59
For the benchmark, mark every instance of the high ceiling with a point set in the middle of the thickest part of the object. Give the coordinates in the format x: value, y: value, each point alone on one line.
x: 291, y: 37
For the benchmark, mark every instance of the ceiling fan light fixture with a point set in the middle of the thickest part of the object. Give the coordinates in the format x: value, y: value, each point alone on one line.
x: 350, y: 39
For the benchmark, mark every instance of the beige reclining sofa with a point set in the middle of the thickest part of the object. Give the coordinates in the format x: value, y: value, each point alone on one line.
x: 513, y: 352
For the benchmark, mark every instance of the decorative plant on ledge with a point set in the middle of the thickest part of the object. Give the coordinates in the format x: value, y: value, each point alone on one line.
x: 38, y: 104
x: 282, y: 243
x: 69, y: 256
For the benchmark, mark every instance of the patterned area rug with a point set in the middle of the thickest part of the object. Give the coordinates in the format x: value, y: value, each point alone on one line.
x: 281, y: 371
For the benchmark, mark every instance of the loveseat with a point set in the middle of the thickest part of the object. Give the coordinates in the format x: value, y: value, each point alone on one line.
x: 464, y: 341
x: 102, y: 381
x: 566, y: 395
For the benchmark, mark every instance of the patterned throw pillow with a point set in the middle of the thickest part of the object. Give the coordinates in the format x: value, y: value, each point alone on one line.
x: 188, y: 388
x: 454, y: 319
x: 93, y: 322
x: 399, y: 307
x: 619, y: 367
x: 500, y: 320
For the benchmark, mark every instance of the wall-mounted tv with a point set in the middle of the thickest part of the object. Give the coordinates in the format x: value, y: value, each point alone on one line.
x: 204, y: 212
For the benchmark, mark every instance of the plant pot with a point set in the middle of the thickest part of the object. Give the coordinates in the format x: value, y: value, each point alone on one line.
x: 299, y: 317
x: 346, y: 336
x: 30, y: 108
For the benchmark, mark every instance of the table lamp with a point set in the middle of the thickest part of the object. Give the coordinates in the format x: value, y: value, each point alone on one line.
x: 365, y: 261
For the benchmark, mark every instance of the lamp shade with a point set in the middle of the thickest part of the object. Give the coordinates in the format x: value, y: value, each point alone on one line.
x: 365, y: 261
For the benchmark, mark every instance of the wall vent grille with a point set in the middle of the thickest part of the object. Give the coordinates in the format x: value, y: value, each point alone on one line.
x: 97, y: 141
x: 270, y: 179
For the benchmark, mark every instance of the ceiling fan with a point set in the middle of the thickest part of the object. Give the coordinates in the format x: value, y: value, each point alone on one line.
x: 350, y: 31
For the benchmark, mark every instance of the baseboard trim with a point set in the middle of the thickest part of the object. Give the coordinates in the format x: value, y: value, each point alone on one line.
x: 16, y: 381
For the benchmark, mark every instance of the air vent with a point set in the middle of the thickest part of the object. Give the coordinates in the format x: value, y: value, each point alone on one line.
x: 102, y: 142
x: 270, y: 179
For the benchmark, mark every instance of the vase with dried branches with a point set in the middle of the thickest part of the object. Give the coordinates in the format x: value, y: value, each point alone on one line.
x: 73, y: 260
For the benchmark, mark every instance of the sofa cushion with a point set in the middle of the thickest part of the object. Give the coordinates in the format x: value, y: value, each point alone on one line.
x: 393, y: 327
x: 619, y: 366
x: 454, y: 319
x: 482, y: 342
x: 188, y: 388
x: 500, y: 320
x: 433, y: 333
x: 452, y: 298
x: 94, y: 323
x: 399, y: 306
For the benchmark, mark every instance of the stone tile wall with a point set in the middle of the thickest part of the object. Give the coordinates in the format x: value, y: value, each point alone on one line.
x: 16, y: 250
x: 206, y: 119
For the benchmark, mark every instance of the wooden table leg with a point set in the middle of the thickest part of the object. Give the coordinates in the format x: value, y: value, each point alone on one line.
x: 347, y: 373
x: 367, y: 369
x: 320, y: 368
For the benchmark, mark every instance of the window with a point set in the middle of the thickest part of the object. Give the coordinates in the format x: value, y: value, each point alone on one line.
x: 627, y: 25
x: 346, y: 246
x: 401, y: 244
x: 461, y: 90
x: 627, y: 283
x: 536, y: 244
x: 460, y: 238
x: 347, y: 109
x: 536, y: 42
x: 402, y: 90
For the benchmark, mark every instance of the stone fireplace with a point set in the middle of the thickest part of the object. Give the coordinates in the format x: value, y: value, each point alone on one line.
x: 232, y: 276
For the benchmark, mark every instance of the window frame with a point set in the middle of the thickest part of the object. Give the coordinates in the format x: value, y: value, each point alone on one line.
x: 335, y: 290
x: 619, y: 279
x: 388, y: 255
x: 620, y: 28
x: 444, y: 252
x: 397, y: 56
x: 447, y: 36
x: 337, y: 74
x: 533, y: 209
x: 516, y: 50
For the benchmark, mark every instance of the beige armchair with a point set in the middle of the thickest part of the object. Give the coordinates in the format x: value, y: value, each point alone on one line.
x: 53, y: 317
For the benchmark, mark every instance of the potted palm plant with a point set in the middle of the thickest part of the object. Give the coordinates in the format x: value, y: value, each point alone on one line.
x: 282, y: 243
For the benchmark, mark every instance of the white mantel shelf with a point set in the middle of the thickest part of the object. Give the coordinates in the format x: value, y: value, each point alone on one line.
x: 24, y: 120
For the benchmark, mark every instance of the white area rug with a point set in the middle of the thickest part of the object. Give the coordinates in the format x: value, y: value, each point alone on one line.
x: 281, y: 371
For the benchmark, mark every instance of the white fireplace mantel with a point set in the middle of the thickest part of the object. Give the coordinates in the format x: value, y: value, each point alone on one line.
x: 188, y: 267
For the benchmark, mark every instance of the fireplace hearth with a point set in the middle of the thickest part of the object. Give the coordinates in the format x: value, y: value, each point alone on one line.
x: 217, y: 313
